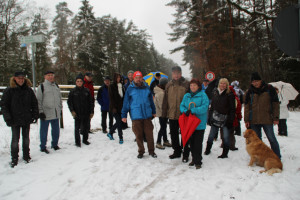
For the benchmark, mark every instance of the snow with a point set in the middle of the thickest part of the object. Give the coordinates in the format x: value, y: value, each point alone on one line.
x: 107, y: 170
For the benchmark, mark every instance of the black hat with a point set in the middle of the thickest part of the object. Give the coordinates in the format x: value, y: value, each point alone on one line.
x: 79, y: 76
x: 163, y: 81
x: 89, y: 74
x: 176, y: 68
x: 205, y: 80
x: 255, y: 76
x: 107, y: 78
x: 157, y: 74
x: 48, y: 72
x: 17, y: 74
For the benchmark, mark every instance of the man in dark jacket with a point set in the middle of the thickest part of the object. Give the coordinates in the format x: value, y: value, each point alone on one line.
x: 103, y: 100
x: 88, y: 83
x: 81, y: 106
x: 155, y: 82
x: 262, y: 110
x: 20, y: 109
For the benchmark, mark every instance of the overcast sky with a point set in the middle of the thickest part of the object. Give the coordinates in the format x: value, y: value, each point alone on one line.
x: 151, y: 15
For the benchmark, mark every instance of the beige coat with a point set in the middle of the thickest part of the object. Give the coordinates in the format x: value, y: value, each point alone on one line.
x: 158, y: 100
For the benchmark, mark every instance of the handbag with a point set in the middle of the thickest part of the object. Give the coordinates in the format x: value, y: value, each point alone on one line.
x: 218, y: 119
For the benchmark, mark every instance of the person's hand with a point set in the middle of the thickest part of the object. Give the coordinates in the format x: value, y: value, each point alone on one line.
x: 124, y: 120
x: 276, y: 122
x: 91, y: 115
x: 42, y: 116
x: 74, y: 114
x: 187, y: 113
x: 33, y: 120
x: 247, y: 124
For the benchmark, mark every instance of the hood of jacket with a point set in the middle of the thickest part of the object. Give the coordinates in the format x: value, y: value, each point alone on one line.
x: 13, y: 84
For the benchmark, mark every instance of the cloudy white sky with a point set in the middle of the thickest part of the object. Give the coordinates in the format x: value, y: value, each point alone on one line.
x: 152, y: 15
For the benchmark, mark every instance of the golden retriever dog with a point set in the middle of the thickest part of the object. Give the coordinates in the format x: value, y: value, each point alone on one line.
x: 261, y: 154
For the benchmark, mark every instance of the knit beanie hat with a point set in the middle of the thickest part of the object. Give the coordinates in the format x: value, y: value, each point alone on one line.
x: 79, y: 76
x: 255, y: 76
x: 137, y: 73
x: 163, y: 81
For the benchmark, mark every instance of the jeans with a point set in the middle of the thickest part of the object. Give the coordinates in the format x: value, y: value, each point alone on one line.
x: 163, y: 130
x: 15, y: 141
x: 268, y: 128
x: 44, y: 132
x: 82, y: 126
x: 117, y: 125
x: 104, y: 116
x: 214, y: 131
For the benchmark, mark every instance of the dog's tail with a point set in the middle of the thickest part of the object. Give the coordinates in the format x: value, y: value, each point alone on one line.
x: 273, y: 170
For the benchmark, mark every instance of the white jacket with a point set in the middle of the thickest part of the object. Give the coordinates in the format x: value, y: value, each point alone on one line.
x: 284, y: 112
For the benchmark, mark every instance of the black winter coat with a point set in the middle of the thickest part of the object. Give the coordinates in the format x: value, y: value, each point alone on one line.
x: 116, y: 101
x: 81, y: 101
x: 19, y: 104
x: 223, y: 103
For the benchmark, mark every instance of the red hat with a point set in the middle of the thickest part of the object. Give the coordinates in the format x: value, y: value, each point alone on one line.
x: 137, y: 73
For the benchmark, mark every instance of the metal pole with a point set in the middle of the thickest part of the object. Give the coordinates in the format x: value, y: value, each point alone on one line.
x: 33, y: 48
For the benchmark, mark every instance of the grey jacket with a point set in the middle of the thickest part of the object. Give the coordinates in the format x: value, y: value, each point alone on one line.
x: 49, y: 101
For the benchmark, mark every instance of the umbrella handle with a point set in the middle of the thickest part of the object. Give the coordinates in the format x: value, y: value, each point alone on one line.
x: 190, y: 105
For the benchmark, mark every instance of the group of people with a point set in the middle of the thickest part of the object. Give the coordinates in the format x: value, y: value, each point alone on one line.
x: 217, y: 104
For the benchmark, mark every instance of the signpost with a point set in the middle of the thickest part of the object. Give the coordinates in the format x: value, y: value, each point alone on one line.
x: 210, y: 76
x: 32, y: 40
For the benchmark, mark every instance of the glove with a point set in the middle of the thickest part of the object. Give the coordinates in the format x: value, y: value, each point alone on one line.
x: 188, y: 112
x: 73, y: 114
x: 9, y: 122
x: 229, y: 125
x: 42, y: 116
x: 91, y: 115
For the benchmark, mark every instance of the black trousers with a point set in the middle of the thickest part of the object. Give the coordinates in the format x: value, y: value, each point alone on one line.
x: 82, y: 126
x: 15, y: 141
x: 104, y: 117
x: 194, y: 145
x: 282, y: 127
x: 163, y: 130
x: 117, y: 125
x: 174, y: 131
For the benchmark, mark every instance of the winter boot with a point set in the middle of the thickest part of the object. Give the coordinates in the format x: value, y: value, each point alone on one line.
x: 208, y: 148
x: 225, y: 152
x: 13, y: 163
x: 167, y: 144
x: 27, y: 159
x: 159, y: 146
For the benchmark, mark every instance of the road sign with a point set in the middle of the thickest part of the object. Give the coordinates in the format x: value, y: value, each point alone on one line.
x: 210, y: 76
x: 32, y: 39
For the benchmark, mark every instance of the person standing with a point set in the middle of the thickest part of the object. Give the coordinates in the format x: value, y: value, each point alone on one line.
x: 159, y: 92
x: 81, y: 107
x: 240, y: 94
x: 197, y: 96
x: 130, y: 79
x: 174, y: 92
x: 262, y: 110
x: 116, y: 97
x: 20, y: 108
x: 103, y: 100
x: 283, y: 114
x: 221, y: 115
x: 155, y: 82
x: 139, y: 101
x: 88, y: 83
x: 205, y: 84
x: 50, y: 107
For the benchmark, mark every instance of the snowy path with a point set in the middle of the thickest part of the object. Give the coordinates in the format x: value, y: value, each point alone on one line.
x: 107, y: 170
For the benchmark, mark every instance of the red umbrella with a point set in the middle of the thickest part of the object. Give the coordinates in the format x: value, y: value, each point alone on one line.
x: 188, y: 124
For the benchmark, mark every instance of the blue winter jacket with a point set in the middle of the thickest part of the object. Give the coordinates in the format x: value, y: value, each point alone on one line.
x: 139, y: 101
x: 201, y: 108
x: 103, y: 98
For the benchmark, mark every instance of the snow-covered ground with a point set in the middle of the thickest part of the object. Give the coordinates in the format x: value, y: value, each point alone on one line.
x: 107, y: 170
